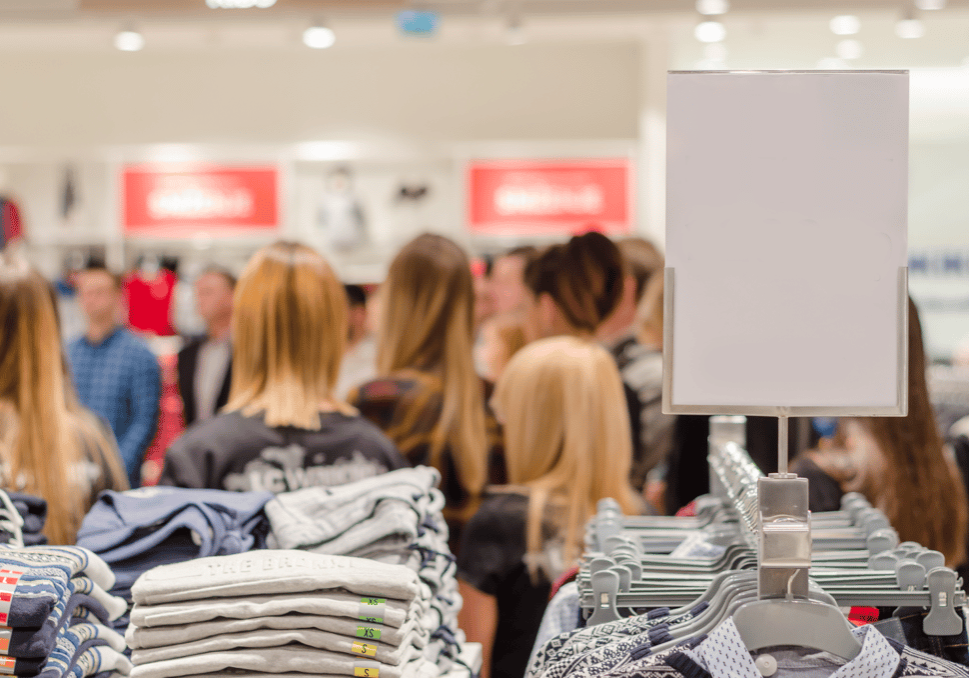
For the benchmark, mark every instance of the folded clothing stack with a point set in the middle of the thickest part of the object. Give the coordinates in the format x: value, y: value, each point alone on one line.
x: 32, y: 512
x: 54, y: 611
x: 137, y: 530
x: 279, y: 612
x: 394, y: 518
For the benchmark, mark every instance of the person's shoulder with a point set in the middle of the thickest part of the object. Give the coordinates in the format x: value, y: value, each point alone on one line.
x: 507, y: 503
x: 225, y: 426
x: 135, y: 346
x: 358, y: 428
x: 192, y: 343
x: 386, y: 389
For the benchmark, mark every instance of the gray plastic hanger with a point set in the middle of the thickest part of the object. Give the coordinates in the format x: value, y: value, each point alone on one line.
x: 942, y: 619
x: 605, y: 588
x: 804, y: 623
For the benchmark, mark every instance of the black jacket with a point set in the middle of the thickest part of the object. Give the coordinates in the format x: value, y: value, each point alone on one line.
x: 188, y: 359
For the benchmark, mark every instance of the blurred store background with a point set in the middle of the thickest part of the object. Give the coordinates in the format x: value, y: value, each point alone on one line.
x: 187, y: 131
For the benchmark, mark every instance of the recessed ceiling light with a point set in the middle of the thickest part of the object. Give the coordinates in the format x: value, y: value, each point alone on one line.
x: 711, y: 7
x: 319, y: 37
x: 710, y: 31
x: 845, y: 24
x: 129, y: 41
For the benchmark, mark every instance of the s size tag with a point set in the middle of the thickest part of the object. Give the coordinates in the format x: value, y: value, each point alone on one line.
x: 7, y: 665
x: 366, y: 669
x: 364, y: 649
x: 372, y: 610
x: 368, y: 632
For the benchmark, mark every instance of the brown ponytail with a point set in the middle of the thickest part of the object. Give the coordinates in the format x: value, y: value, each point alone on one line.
x: 584, y: 278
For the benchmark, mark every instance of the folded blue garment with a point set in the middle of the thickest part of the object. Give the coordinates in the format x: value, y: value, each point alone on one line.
x: 26, y: 643
x: 123, y: 525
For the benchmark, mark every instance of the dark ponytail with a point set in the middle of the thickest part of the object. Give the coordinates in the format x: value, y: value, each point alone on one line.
x: 584, y: 278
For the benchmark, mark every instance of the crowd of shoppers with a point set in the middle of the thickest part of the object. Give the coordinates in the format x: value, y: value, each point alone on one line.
x: 533, y: 386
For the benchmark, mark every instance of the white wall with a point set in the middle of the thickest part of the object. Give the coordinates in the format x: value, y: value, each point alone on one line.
x: 413, y: 91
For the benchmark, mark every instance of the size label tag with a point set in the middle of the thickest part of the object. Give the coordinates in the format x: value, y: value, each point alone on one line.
x: 364, y: 649
x: 366, y: 669
x: 7, y: 665
x: 372, y: 610
x: 8, y: 585
x: 5, y: 634
x: 368, y: 632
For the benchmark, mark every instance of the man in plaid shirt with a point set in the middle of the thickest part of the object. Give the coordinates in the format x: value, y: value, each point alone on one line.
x: 116, y: 375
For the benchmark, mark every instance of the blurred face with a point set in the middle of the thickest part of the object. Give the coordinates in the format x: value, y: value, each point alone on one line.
x: 508, y: 291
x: 358, y: 323
x: 213, y: 297
x: 98, y: 296
x: 542, y: 318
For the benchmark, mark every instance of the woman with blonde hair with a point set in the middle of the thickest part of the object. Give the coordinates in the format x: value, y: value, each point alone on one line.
x: 282, y: 428
x: 50, y: 446
x: 429, y: 399
x: 567, y: 446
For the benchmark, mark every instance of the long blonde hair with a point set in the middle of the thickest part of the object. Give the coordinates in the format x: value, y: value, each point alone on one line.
x: 45, y: 435
x: 566, y: 431
x: 289, y: 330
x: 427, y: 325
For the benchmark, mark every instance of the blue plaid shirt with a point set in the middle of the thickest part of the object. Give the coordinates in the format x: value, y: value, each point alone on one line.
x: 119, y: 379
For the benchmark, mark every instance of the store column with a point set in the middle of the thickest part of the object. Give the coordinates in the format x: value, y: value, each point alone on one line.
x: 651, y: 173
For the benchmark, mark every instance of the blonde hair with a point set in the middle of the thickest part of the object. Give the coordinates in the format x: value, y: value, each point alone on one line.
x: 289, y: 331
x: 427, y: 325
x: 566, y: 428
x: 45, y: 434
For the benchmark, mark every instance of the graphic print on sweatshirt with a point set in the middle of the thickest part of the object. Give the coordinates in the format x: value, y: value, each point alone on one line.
x: 284, y: 469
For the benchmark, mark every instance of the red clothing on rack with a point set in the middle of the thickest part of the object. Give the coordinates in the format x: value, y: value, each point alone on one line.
x: 150, y: 302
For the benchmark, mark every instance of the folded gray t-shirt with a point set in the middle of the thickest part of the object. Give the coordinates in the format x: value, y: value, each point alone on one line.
x: 366, y: 648
x: 289, y: 659
x: 320, y: 603
x: 273, y: 572
x: 164, y: 636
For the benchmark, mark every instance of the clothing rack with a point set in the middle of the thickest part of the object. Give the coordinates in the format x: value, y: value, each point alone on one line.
x: 762, y: 525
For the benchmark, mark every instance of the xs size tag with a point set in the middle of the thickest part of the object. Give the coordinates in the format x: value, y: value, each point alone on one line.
x: 366, y: 669
x: 372, y: 610
x: 364, y: 649
x: 368, y: 632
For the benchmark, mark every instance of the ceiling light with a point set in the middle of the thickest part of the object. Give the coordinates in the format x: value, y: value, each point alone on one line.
x: 845, y: 24
x: 319, y: 37
x: 710, y: 31
x: 711, y: 7
x: 849, y: 49
x: 930, y: 5
x: 129, y: 41
x: 909, y: 28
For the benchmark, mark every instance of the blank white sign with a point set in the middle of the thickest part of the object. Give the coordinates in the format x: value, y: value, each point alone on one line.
x: 786, y: 227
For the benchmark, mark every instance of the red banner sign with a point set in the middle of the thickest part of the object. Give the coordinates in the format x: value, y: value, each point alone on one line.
x: 524, y: 197
x: 179, y: 201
